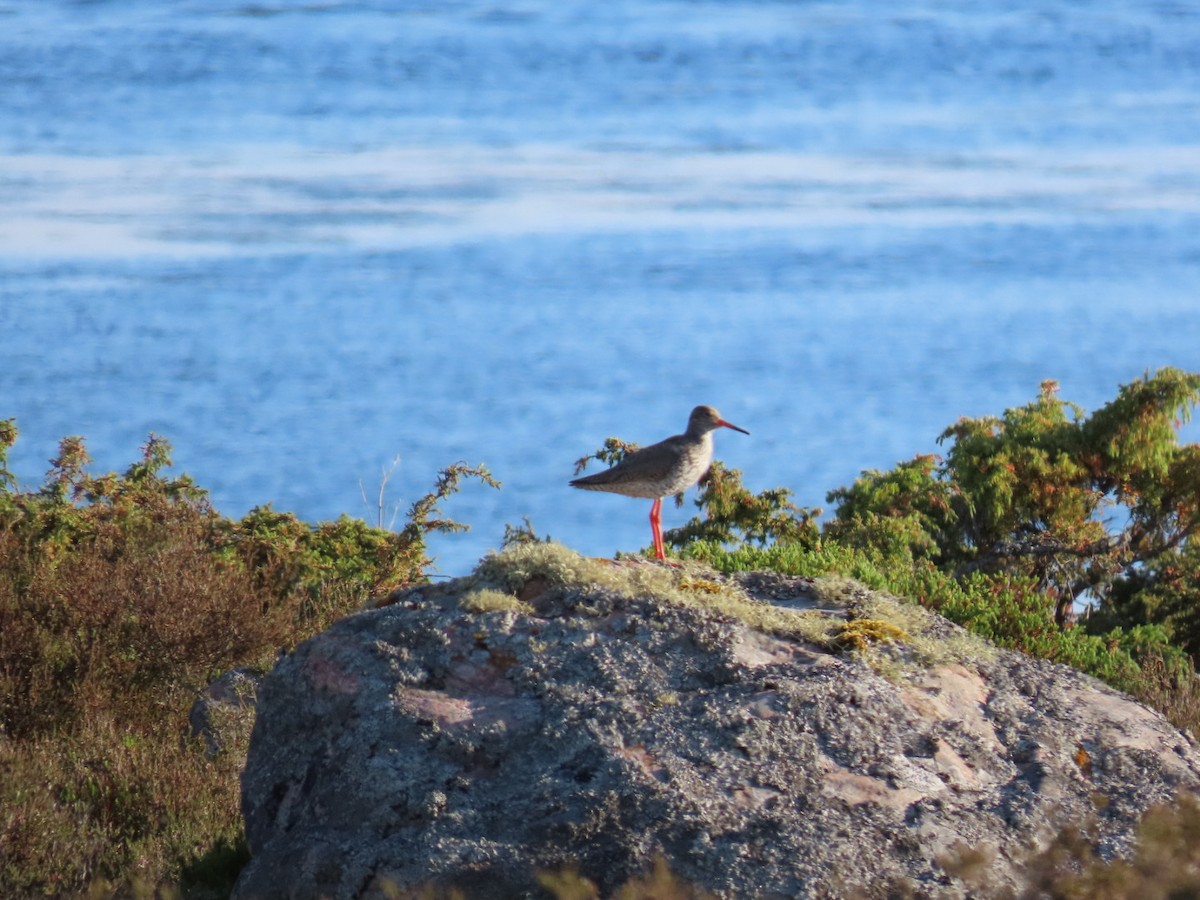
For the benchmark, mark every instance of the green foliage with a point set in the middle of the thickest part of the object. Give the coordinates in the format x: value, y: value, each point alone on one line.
x: 122, y: 595
x: 521, y: 534
x: 734, y: 515
x: 424, y: 515
x: 1036, y: 493
x: 347, y: 559
x: 825, y: 558
x: 613, y: 451
x: 8, y: 437
x: 1020, y: 476
x: 1165, y: 591
x: 904, y: 514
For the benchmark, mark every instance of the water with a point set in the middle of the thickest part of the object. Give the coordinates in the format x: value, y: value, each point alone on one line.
x: 300, y: 239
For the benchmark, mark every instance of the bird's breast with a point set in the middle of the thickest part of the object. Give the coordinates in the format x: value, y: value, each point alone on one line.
x: 692, y: 464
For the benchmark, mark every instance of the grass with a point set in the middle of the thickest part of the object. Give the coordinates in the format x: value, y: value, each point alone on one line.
x: 111, y: 809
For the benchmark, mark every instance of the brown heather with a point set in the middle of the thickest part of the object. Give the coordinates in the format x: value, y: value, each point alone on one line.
x: 121, y: 597
x: 102, y: 651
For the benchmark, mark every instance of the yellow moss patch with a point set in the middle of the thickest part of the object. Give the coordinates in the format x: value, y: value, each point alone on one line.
x: 488, y: 600
x: 859, y: 634
x: 701, y: 586
x: 914, y: 620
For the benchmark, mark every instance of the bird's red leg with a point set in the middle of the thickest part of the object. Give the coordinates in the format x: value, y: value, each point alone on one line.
x: 656, y: 528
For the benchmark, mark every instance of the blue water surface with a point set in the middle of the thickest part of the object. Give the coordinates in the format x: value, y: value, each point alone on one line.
x: 302, y: 239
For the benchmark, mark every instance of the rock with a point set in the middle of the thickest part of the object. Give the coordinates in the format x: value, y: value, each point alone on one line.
x: 224, y: 712
x: 766, y: 736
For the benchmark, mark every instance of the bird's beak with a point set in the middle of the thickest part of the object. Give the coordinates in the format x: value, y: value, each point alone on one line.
x: 723, y: 423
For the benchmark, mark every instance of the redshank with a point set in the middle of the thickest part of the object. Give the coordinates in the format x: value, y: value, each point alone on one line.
x: 662, y: 469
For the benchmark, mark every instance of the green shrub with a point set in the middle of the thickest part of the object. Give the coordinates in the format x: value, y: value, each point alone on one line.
x: 1074, y: 502
x: 732, y: 514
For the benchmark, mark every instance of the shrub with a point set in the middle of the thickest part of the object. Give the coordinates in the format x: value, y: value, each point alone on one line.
x: 1071, y: 501
x: 734, y: 515
x: 121, y: 596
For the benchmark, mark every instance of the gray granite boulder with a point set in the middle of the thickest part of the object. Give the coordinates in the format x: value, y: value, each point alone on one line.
x: 765, y: 736
x: 224, y: 712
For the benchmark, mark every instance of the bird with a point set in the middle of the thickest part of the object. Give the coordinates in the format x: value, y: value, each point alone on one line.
x: 662, y: 469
